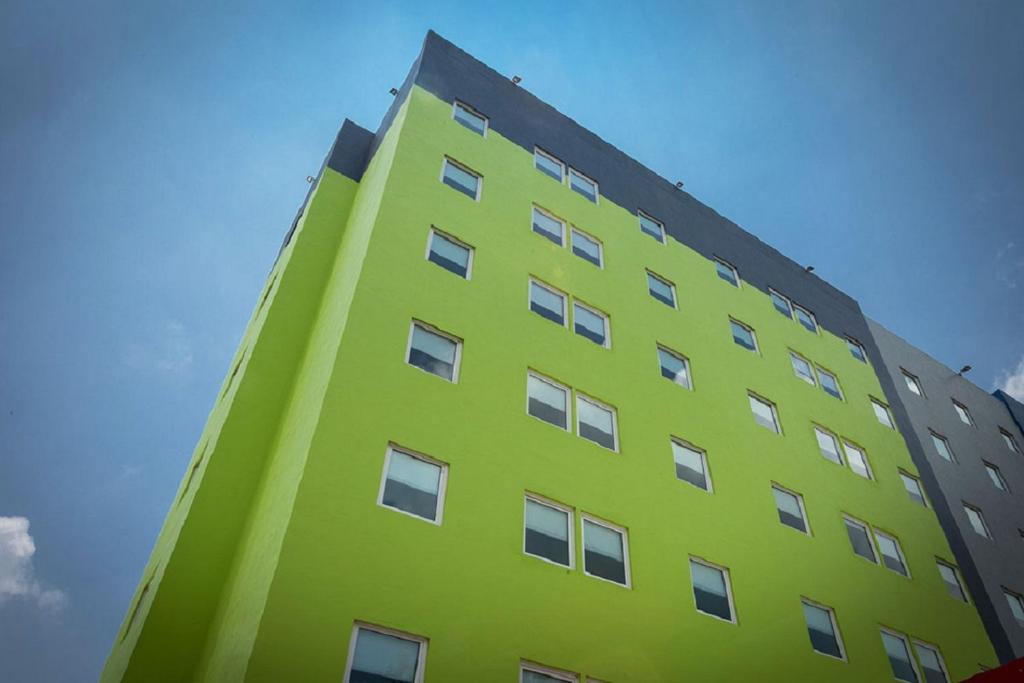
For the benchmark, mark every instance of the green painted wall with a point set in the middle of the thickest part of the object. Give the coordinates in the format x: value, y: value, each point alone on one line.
x: 303, y: 550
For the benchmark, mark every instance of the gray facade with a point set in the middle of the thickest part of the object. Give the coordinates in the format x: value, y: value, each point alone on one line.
x: 989, y: 565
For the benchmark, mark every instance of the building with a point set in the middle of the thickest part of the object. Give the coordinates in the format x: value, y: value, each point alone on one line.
x: 513, y: 407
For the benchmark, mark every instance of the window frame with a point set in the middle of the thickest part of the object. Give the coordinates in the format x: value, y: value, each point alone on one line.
x: 442, y: 482
x: 479, y: 176
x: 683, y: 443
x: 885, y: 409
x: 789, y: 302
x: 836, y: 441
x: 998, y: 481
x: 678, y: 356
x: 910, y: 654
x: 734, y: 617
x: 641, y: 215
x: 735, y: 282
x: 813, y: 379
x: 574, y: 230
x: 552, y: 216
x: 970, y: 418
x: 599, y: 313
x: 899, y: 551
x: 457, y: 362
x: 1011, y: 443
x: 533, y: 667
x: 579, y: 174
x: 810, y: 314
x: 459, y: 104
x: 623, y: 534
x: 949, y: 449
x: 835, y: 628
x: 910, y: 378
x: 852, y: 343
x: 435, y: 231
x: 550, y: 157
x: 1009, y: 593
x: 915, y: 643
x: 753, y: 335
x: 570, y: 526
x: 775, y: 412
x: 421, y: 641
x: 917, y: 482
x: 847, y: 520
x: 665, y: 281
x: 800, y: 502
x: 587, y: 398
x: 551, y: 290
x: 569, y: 404
x: 939, y: 562
x: 847, y: 444
x: 835, y: 378
x: 981, y: 517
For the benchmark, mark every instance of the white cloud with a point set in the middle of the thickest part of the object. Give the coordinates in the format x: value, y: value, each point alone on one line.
x: 1012, y: 381
x: 1009, y: 266
x: 17, y: 575
x: 168, y: 351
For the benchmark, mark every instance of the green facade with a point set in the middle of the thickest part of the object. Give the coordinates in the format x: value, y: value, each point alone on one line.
x: 276, y: 544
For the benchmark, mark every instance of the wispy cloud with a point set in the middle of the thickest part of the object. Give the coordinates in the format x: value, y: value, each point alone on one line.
x: 168, y: 351
x: 17, y: 575
x: 1009, y: 268
x: 1012, y: 381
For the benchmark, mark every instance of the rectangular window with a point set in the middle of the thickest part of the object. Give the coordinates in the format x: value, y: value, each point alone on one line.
x: 378, y: 654
x: 605, y: 551
x: 532, y: 673
x: 1016, y: 603
x: 470, y: 118
x: 903, y: 667
x: 951, y: 577
x: 661, y: 289
x: 791, y: 509
x: 587, y: 247
x: 857, y: 459
x: 547, y: 400
x: 458, y: 177
x: 413, y: 484
x: 942, y: 447
x: 674, y: 366
x: 590, y: 323
x: 892, y: 554
x: 711, y: 590
x: 652, y: 227
x: 828, y: 445
x: 547, y: 302
x: 548, y: 226
x: 596, y: 422
x: 996, y: 476
x: 805, y: 318
x: 829, y: 383
x: 743, y: 335
x: 764, y: 413
x: 449, y: 253
x: 781, y: 303
x: 583, y: 185
x: 1010, y: 442
x: 931, y: 663
x: 547, y: 531
x: 962, y: 413
x: 691, y: 464
x: 860, y: 539
x: 882, y: 413
x: 913, y: 486
x: 548, y: 164
x: 802, y: 368
x: 977, y: 521
x: 856, y: 350
x: 823, y: 630
x: 727, y: 272
x: 434, y: 351
x: 912, y: 383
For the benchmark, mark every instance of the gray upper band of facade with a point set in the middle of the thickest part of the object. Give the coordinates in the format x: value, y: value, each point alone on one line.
x: 987, y: 565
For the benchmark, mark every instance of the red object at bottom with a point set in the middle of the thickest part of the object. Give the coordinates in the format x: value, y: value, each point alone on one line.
x: 1012, y: 672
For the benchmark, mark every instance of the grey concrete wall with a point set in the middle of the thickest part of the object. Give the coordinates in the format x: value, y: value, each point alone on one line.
x: 987, y: 565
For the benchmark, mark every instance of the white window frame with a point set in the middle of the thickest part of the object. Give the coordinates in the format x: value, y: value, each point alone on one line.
x: 671, y: 286
x: 598, y: 312
x: 835, y: 628
x: 526, y: 665
x: 864, y: 454
x: 888, y: 413
x: 728, y: 589
x: 1010, y: 442
x: 448, y: 236
x: 553, y: 290
x: 956, y: 574
x: 813, y: 379
x: 970, y: 418
x: 917, y: 481
x: 573, y: 230
x: 683, y: 443
x: 561, y: 242
x: 748, y: 328
x: 421, y: 659
x: 770, y: 404
x: 835, y: 377
x: 732, y: 268
x: 456, y: 365
x: 597, y: 188
x: 623, y: 533
x: 558, y: 385
x: 677, y: 356
x: 917, y: 642
x: 442, y: 483
x: 910, y: 378
x: 800, y: 502
x: 835, y: 440
x: 990, y: 468
x: 981, y: 518
x: 814, y: 320
x: 789, y: 302
x: 552, y: 158
x: 457, y: 104
x: 570, y: 526
x: 910, y: 653
x: 580, y: 396
x: 479, y: 176
x: 851, y: 342
x: 899, y: 551
x: 847, y: 519
x: 640, y: 214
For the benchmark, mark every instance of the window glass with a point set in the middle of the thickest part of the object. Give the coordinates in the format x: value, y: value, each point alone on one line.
x: 548, y: 226
x: 547, y: 532
x: 743, y: 335
x: 821, y: 629
x: 942, y: 447
x: 547, y: 303
x: 1016, y: 603
x: 691, y: 465
x: 856, y: 350
x: 461, y: 179
x: 661, y: 290
x: 931, y: 664
x: 892, y: 556
x: 806, y: 318
x: 549, y: 165
x: 383, y: 657
x: 583, y: 185
x: 530, y: 676
x: 547, y: 401
x: 860, y: 540
x: 829, y: 383
x: 857, y: 459
x: 802, y: 369
x: 790, y: 511
x: 433, y: 352
x: 470, y: 119
x: 764, y: 413
x: 913, y: 487
x: 951, y: 577
x: 781, y: 304
x: 674, y: 367
x: 996, y: 476
x: 828, y: 445
x: 899, y: 658
x: 710, y: 590
x: 449, y: 254
x: 912, y: 384
x: 590, y: 324
x: 727, y: 273
x: 977, y: 521
x: 1010, y: 442
x: 882, y: 413
x: 604, y: 552
x: 652, y: 227
x: 586, y: 247
x: 961, y: 411
x: 412, y: 485
x: 596, y: 423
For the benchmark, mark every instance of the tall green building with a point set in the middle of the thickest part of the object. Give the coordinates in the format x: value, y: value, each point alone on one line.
x: 511, y: 407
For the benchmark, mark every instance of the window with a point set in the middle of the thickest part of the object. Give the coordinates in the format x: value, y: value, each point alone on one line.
x: 882, y: 413
x: 674, y: 366
x: 892, y: 554
x: 582, y: 184
x: 413, y: 484
x: 802, y: 368
x: 829, y: 383
x: 912, y: 383
x: 596, y: 422
x: 532, y: 673
x: 913, y: 486
x: 791, y: 509
x: 743, y: 335
x: 996, y: 476
x: 548, y: 226
x: 547, y: 302
x: 857, y: 459
x: 435, y: 351
x: 1016, y: 603
x: 951, y: 577
x: 547, y: 531
x: 942, y: 447
x: 587, y: 247
x: 711, y: 590
x: 962, y: 413
x: 903, y: 667
x: 470, y: 118
x: 547, y: 401
x: 931, y: 663
x: 860, y: 539
x: 856, y: 350
x: 781, y: 303
x: 823, y: 630
x: 460, y: 178
x: 543, y: 161
x: 605, y: 551
x: 691, y: 464
x: 977, y: 521
x: 1011, y: 443
x: 805, y: 318
x: 661, y: 289
x: 651, y: 227
x: 378, y: 654
x: 727, y: 272
x: 828, y: 445
x: 764, y: 413
x: 590, y: 323
x: 449, y: 253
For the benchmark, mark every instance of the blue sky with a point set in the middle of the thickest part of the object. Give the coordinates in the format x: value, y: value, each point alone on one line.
x: 152, y: 158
